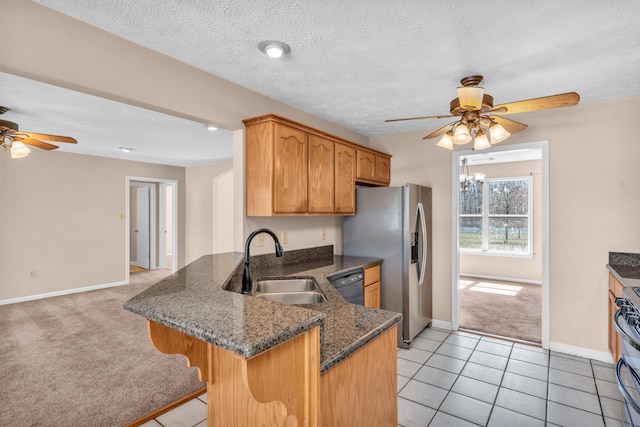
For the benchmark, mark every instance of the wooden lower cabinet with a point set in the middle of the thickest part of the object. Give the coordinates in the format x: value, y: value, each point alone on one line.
x: 615, y: 290
x: 283, y: 387
x: 372, y: 286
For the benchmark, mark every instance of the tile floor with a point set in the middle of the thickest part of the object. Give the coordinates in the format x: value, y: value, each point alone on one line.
x: 457, y: 379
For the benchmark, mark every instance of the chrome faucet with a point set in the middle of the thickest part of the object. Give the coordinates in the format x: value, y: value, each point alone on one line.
x: 247, y: 285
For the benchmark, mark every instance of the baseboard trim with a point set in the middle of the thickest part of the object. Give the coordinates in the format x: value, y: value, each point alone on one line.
x: 60, y: 293
x: 441, y: 324
x: 166, y: 408
x: 603, y: 356
x: 503, y: 279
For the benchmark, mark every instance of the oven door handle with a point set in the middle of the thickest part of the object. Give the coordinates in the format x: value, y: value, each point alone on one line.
x: 636, y: 379
x: 625, y: 336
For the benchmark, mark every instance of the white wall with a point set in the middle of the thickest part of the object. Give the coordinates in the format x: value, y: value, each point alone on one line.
x: 209, y: 212
x: 64, y: 216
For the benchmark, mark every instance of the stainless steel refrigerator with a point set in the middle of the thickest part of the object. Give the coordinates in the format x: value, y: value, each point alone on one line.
x: 394, y: 223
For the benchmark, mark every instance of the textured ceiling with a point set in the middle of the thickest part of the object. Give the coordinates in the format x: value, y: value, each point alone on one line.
x: 357, y: 63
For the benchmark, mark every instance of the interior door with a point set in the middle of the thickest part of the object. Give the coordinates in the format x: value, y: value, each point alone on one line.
x: 142, y: 229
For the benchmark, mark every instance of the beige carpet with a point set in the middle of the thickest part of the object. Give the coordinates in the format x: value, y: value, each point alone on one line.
x: 508, y: 309
x: 82, y: 360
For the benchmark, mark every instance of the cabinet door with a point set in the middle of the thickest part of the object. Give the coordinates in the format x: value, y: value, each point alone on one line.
x: 614, y: 343
x: 345, y: 179
x: 372, y: 295
x: 321, y: 175
x: 366, y: 165
x: 290, y: 170
x: 383, y: 169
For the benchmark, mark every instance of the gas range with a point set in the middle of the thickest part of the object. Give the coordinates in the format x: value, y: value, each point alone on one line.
x: 627, y: 323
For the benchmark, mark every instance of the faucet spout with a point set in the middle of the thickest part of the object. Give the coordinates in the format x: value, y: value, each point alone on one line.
x: 247, y: 283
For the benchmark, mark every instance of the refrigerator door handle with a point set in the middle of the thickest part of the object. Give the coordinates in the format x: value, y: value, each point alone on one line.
x: 423, y: 229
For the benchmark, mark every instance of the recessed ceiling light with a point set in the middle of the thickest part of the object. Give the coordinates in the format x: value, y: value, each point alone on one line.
x: 212, y: 127
x: 125, y: 149
x: 274, y: 48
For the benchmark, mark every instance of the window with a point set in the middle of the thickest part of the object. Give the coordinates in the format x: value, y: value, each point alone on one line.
x: 496, y: 216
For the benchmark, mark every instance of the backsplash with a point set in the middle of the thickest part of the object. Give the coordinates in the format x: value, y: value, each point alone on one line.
x: 624, y: 259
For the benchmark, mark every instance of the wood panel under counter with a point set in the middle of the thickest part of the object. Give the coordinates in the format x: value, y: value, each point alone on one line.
x: 283, y: 387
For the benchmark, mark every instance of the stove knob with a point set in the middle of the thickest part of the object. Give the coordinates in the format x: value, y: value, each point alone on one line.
x: 620, y: 302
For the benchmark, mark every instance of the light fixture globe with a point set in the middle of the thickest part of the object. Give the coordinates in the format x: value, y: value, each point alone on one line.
x: 461, y: 135
x: 19, y: 150
x: 274, y: 48
x: 481, y: 141
x: 446, y: 141
x: 498, y: 133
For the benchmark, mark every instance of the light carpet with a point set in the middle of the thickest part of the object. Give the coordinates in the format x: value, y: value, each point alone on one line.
x: 508, y: 309
x: 82, y: 360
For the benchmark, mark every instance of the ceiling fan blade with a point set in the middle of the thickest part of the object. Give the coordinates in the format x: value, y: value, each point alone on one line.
x: 44, y: 136
x: 510, y: 125
x: 419, y: 118
x: 439, y: 132
x: 39, y: 144
x: 544, y: 103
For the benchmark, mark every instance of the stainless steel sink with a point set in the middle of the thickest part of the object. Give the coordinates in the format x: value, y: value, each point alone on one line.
x: 285, y: 285
x: 294, y: 291
x: 295, y: 298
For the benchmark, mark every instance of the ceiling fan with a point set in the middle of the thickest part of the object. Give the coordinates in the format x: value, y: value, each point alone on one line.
x: 15, y: 141
x: 478, y: 119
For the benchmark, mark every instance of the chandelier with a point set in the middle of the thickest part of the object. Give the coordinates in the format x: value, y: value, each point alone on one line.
x: 466, y: 179
x: 473, y: 125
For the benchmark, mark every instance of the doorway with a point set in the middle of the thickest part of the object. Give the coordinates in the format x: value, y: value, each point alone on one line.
x: 151, y: 225
x: 500, y: 241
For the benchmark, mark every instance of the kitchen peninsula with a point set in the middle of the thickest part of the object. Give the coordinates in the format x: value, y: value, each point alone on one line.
x: 272, y: 364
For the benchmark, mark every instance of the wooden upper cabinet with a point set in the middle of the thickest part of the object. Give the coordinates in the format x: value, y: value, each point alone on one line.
x: 373, y: 168
x: 383, y: 169
x: 321, y: 175
x: 366, y: 166
x: 345, y: 179
x: 290, y: 170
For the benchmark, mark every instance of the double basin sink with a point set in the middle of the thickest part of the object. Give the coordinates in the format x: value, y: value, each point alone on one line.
x: 294, y: 291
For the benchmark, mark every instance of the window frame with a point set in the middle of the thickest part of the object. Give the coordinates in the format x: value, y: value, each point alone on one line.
x: 485, y: 217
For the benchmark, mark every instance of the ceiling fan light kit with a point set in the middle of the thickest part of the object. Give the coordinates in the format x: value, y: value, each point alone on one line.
x: 479, y: 120
x: 15, y: 141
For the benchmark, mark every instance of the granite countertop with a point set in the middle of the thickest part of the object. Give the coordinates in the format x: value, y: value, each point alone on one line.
x: 625, y: 267
x: 201, y: 300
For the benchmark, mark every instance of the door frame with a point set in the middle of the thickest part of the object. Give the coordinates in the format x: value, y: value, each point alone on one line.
x: 155, y: 182
x: 455, y: 249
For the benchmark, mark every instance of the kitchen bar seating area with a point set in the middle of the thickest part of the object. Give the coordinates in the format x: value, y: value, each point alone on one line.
x: 460, y: 379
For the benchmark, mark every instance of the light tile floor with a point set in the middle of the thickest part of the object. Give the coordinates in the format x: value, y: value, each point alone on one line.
x: 459, y: 379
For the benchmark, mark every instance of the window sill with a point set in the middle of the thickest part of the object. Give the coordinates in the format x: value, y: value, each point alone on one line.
x: 526, y: 255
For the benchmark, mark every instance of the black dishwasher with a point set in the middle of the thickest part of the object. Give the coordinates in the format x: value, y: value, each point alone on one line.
x: 350, y: 285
